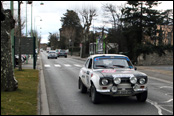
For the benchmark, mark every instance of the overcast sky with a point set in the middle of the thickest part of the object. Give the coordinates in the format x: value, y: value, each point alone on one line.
x: 52, y: 11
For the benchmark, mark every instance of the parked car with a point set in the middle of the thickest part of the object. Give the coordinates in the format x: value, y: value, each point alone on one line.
x: 62, y: 53
x: 114, y: 75
x: 52, y: 54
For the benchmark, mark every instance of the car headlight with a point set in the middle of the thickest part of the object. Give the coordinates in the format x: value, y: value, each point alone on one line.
x: 142, y: 81
x: 133, y: 80
x: 117, y: 80
x: 104, y: 82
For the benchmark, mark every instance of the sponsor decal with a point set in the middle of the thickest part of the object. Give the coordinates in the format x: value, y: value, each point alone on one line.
x: 108, y: 71
x: 122, y: 75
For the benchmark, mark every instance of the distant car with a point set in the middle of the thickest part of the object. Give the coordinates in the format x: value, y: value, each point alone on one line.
x: 114, y: 75
x: 62, y: 53
x: 41, y: 50
x: 52, y: 54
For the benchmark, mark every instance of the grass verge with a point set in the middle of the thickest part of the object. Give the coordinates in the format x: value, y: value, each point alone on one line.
x: 23, y: 101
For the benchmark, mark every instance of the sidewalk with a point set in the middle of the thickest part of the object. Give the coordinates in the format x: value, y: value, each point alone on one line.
x: 29, y: 65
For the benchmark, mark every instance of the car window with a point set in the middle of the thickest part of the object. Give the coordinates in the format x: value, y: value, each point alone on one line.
x: 112, y: 62
x: 62, y: 50
x: 90, y: 64
x: 86, y: 64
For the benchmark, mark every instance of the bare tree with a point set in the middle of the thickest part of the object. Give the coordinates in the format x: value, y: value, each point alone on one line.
x: 113, y: 13
x: 87, y: 17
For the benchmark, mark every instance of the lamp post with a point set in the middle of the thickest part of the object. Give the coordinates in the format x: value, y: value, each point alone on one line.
x: 35, y: 28
x: 19, y: 23
x: 37, y: 41
x: 12, y: 37
x: 27, y: 2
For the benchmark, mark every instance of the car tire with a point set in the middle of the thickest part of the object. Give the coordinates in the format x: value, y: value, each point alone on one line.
x: 141, y: 97
x: 95, y: 96
x: 82, y: 87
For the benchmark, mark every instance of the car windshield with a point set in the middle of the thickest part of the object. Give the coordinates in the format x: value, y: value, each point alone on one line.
x: 52, y: 52
x: 62, y: 50
x: 112, y: 62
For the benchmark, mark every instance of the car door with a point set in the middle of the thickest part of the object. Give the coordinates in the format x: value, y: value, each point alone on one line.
x: 88, y: 72
x: 84, y: 71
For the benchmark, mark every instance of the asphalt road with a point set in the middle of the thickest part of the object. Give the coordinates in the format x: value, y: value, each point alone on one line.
x: 64, y: 98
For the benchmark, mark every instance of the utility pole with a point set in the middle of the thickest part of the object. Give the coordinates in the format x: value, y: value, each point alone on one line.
x: 19, y: 24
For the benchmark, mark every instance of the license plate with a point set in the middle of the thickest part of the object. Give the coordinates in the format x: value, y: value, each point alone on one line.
x: 124, y: 92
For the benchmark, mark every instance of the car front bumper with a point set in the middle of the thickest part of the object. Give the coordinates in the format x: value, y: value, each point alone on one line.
x: 122, y: 90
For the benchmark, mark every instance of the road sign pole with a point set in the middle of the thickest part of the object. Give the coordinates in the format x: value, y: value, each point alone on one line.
x: 34, y: 53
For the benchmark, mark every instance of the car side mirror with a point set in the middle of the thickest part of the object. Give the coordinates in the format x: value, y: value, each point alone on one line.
x: 135, y: 68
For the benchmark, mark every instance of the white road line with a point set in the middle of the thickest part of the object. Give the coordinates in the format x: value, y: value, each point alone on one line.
x: 67, y: 65
x: 77, y: 65
x: 168, y: 101
x: 166, y: 109
x: 159, y: 107
x: 47, y: 65
x: 166, y: 87
x: 161, y: 80
x: 57, y: 65
x: 156, y: 105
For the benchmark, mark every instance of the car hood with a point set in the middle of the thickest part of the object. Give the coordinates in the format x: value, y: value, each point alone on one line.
x: 119, y: 72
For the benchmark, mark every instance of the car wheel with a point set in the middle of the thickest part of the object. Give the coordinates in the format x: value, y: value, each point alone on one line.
x: 141, y: 97
x: 82, y: 87
x: 95, y: 96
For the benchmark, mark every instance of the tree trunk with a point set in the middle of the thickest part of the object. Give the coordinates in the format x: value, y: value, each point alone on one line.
x: 8, y: 81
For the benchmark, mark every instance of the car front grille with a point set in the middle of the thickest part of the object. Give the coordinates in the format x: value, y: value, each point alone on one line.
x: 125, y: 80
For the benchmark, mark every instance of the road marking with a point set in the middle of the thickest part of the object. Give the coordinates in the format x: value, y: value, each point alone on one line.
x: 166, y: 87
x: 166, y: 109
x: 159, y: 107
x: 77, y: 65
x: 57, y: 65
x: 161, y: 80
x: 67, y: 65
x: 168, y: 101
x: 46, y: 65
x: 169, y: 94
x: 156, y: 105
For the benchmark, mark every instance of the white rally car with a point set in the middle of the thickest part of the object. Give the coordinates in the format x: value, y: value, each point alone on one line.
x: 114, y: 75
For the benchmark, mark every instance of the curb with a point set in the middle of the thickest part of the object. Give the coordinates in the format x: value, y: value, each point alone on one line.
x: 44, y: 108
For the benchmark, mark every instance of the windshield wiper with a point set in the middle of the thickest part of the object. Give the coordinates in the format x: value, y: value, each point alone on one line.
x: 120, y: 66
x: 104, y: 66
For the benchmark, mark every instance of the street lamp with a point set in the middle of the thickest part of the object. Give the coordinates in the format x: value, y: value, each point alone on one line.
x: 41, y: 3
x: 29, y: 2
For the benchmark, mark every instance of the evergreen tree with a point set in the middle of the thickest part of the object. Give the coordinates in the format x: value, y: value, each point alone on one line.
x: 140, y: 20
x: 71, y: 28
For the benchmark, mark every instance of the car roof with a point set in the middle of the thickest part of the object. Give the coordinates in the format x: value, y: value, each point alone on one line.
x: 96, y: 55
